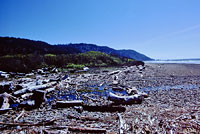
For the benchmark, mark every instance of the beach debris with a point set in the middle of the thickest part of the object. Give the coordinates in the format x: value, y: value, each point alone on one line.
x: 86, y: 130
x: 104, y: 108
x: 114, y: 72
x: 122, y: 125
x: 133, y: 99
x: 5, y: 100
x: 65, y: 104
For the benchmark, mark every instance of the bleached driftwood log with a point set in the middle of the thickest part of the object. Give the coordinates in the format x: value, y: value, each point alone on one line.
x: 86, y: 130
x: 122, y: 125
x: 19, y: 116
x: 43, y: 123
x: 5, y: 99
x: 33, y: 88
x: 114, y: 72
x: 63, y: 104
x: 133, y: 99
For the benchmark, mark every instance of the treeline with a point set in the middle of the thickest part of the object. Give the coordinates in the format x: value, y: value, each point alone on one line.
x: 29, y: 62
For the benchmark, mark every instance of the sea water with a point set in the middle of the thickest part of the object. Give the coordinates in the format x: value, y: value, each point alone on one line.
x: 181, y: 61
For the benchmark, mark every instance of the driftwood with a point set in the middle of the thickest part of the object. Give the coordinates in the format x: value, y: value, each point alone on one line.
x: 105, y: 108
x: 28, y: 104
x: 132, y: 91
x: 33, y: 88
x: 2, y: 111
x: 35, y: 100
x: 5, y: 99
x: 133, y: 99
x: 86, y: 130
x: 45, y: 123
x: 121, y: 124
x: 19, y: 116
x: 114, y: 72
x: 64, y: 104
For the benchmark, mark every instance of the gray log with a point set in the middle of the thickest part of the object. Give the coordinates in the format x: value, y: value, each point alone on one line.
x: 64, y: 104
x: 133, y: 99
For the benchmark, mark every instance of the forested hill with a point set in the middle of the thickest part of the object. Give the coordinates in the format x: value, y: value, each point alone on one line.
x: 121, y: 53
x: 10, y: 45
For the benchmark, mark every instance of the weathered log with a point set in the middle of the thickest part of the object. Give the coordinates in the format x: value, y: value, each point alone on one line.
x: 5, y: 110
x: 133, y: 99
x: 38, y: 96
x: 28, y: 104
x: 86, y: 130
x: 48, y: 90
x: 121, y: 124
x: 104, y: 108
x: 26, y: 96
x: 44, y: 123
x: 64, y: 104
x: 33, y: 88
x: 132, y: 91
x: 5, y: 99
x: 114, y: 72
x: 19, y: 116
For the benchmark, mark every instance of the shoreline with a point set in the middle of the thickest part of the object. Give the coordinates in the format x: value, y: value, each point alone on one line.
x: 175, y: 110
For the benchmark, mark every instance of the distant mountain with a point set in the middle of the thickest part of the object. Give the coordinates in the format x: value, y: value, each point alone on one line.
x: 10, y: 45
x: 133, y: 54
x: 120, y: 53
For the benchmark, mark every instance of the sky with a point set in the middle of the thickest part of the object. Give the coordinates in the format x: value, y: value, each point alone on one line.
x: 160, y: 29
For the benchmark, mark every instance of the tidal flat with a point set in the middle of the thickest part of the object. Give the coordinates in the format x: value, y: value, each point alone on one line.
x: 170, y: 100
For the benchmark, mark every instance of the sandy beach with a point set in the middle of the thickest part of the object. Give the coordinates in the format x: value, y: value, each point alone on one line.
x: 173, y: 105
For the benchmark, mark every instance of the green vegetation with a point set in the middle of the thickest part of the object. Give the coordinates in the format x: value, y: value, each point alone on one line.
x: 29, y: 62
x: 75, y: 66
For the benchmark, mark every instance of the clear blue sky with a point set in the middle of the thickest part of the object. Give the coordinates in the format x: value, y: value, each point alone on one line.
x: 161, y: 29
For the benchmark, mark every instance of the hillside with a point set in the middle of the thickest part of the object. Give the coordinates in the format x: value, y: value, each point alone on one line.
x: 9, y: 46
x: 120, y: 53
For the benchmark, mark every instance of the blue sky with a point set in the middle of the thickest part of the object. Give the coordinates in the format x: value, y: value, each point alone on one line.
x: 161, y: 29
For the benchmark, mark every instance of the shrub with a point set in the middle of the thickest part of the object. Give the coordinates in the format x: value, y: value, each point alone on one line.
x: 75, y: 66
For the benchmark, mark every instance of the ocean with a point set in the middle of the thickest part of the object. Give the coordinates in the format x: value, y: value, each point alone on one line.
x: 182, y: 61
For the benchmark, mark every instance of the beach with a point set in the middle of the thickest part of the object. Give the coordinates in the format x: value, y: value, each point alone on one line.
x: 172, y: 105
